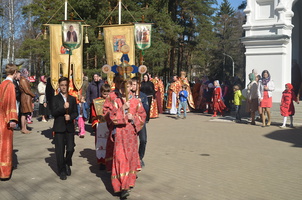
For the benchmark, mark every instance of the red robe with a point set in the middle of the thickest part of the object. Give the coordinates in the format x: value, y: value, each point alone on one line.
x: 153, y: 107
x: 218, y: 104
x: 122, y: 149
x: 8, y: 112
x: 287, y: 105
x: 174, y: 87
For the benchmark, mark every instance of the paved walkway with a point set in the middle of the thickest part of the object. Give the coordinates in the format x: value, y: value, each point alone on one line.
x: 198, y: 158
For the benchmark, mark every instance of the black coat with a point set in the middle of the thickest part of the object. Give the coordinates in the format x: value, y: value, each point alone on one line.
x: 49, y: 93
x: 17, y: 90
x: 58, y: 111
x: 148, y: 88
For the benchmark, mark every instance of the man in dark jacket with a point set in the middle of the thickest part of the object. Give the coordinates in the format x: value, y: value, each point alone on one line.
x: 64, y: 110
x: 18, y: 98
x: 93, y: 90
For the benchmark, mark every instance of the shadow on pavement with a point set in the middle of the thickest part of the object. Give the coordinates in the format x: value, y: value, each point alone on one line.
x: 89, y: 154
x: 51, y: 160
x: 15, y: 159
x: 289, y: 135
x: 47, y: 133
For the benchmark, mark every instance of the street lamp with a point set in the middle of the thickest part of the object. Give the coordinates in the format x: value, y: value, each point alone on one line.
x: 232, y: 61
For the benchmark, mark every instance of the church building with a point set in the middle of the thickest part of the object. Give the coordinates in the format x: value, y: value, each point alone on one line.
x: 273, y: 40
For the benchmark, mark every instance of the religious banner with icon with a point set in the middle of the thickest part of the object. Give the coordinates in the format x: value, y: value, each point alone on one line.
x: 115, y: 38
x: 142, y: 32
x: 72, y: 35
x: 59, y: 58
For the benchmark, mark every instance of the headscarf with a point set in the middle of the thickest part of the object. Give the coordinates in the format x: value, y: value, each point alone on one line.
x: 217, y: 81
x: 289, y: 86
x: 252, y: 77
x: 42, y: 79
x: 24, y: 73
x: 265, y: 80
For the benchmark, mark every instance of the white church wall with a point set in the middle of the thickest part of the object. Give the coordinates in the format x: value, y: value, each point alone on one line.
x: 268, y: 33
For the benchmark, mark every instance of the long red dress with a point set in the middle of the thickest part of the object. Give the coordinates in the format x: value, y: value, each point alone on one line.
x: 153, y: 107
x: 8, y: 112
x: 122, y: 148
x: 218, y: 104
x: 287, y: 107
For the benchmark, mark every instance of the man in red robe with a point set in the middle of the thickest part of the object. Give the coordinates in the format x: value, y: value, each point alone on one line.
x: 8, y: 120
x: 126, y: 118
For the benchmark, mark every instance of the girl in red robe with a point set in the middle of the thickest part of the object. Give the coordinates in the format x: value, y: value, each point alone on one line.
x: 287, y: 107
x: 218, y: 105
x: 126, y: 119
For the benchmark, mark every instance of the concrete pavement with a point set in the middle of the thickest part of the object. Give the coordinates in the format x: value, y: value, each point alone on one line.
x: 198, y: 158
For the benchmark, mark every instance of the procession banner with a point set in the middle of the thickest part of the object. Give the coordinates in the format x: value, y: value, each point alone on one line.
x: 72, y: 34
x: 142, y: 35
x: 59, y: 58
x: 115, y: 37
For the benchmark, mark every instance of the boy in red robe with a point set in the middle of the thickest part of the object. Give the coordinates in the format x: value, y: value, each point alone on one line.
x: 126, y: 118
x: 8, y: 120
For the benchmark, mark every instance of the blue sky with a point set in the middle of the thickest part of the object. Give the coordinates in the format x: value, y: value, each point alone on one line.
x: 234, y: 3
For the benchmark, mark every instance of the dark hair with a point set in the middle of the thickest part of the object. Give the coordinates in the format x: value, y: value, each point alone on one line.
x: 146, y: 74
x: 64, y: 79
x: 105, y: 88
x: 265, y: 71
x: 117, y: 78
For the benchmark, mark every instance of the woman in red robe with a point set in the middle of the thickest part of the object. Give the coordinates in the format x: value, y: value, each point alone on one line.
x: 126, y: 119
x: 8, y: 119
x: 218, y: 104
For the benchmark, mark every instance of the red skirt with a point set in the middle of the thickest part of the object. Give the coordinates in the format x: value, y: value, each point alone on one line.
x: 266, y: 101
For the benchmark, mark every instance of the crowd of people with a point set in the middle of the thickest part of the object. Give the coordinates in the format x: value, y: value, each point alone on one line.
x: 119, y: 112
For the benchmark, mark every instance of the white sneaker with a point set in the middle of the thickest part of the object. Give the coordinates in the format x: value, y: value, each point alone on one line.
x: 44, y: 120
x: 282, y: 126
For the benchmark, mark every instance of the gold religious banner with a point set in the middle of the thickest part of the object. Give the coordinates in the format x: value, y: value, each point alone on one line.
x: 59, y: 58
x: 115, y: 38
x: 98, y: 105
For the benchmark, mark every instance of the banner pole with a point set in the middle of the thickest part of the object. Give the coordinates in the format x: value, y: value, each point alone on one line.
x: 65, y: 10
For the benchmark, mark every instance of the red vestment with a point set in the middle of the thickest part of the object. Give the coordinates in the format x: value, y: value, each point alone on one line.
x: 160, y: 96
x: 218, y: 104
x: 8, y: 112
x: 122, y: 148
x: 174, y: 87
x: 153, y: 107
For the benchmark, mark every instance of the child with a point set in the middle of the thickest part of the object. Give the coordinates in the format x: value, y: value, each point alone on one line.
x: 82, y: 111
x: 287, y: 106
x: 237, y: 101
x: 183, y: 101
x: 218, y: 105
x: 100, y: 125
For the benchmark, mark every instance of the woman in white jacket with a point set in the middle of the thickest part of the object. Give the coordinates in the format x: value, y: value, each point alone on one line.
x: 265, y: 88
x: 43, y: 110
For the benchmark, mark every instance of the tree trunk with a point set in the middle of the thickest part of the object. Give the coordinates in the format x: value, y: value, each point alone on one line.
x: 95, y: 61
